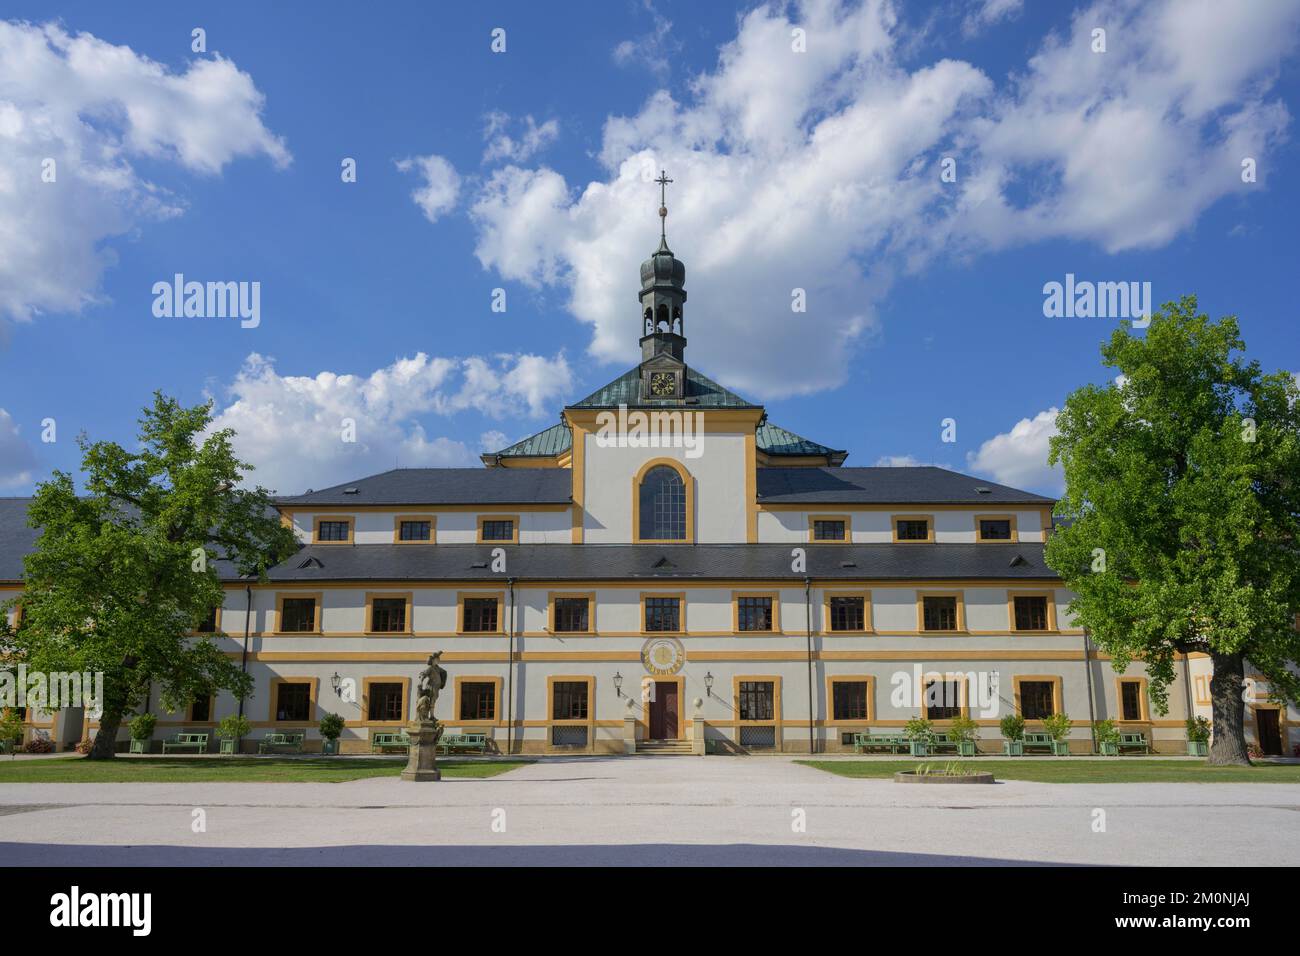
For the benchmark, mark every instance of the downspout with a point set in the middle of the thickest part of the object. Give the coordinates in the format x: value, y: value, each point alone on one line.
x: 807, y: 609
x: 243, y: 662
x: 1087, y: 670
x: 510, y: 670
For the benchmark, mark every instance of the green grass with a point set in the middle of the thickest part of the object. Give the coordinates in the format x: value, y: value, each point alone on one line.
x: 1049, y: 770
x: 77, y: 769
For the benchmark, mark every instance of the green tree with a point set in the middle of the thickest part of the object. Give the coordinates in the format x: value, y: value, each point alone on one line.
x: 123, y: 573
x: 1183, y: 482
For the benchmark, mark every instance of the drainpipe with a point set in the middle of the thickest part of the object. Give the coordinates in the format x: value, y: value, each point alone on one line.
x: 510, y: 669
x: 243, y: 663
x: 1087, y: 670
x: 807, y: 608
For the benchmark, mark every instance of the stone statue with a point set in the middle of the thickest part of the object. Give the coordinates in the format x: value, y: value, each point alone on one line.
x: 424, y: 733
x: 432, y: 680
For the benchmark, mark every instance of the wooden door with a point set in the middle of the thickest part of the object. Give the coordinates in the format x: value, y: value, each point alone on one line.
x: 663, y: 711
x: 1269, y: 732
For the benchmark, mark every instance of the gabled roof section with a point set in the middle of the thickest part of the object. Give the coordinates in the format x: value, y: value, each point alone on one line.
x: 547, y: 443
x: 919, y: 485
x: 773, y: 440
x: 445, y: 486
x: 701, y: 392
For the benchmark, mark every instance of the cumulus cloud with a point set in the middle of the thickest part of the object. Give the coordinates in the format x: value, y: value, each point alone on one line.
x: 819, y: 171
x: 17, y: 460
x: 989, y: 12
x: 437, y: 196
x: 654, y: 50
x: 1019, y: 457
x: 294, y: 429
x: 530, y: 141
x: 83, y: 109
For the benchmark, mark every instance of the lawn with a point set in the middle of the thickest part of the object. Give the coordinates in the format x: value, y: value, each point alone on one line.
x: 1048, y: 770
x: 77, y: 769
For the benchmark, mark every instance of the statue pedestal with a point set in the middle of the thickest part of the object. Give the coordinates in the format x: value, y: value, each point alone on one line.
x: 422, y: 757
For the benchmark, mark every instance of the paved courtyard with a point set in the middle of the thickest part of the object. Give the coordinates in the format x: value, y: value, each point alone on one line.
x: 649, y: 810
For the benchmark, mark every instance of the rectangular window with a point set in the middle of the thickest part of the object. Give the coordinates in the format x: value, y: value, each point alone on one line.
x: 757, y: 700
x: 848, y: 613
x: 1130, y: 700
x: 333, y: 530
x: 849, y: 700
x: 1036, y: 699
x: 298, y: 615
x: 942, y: 699
x: 385, y: 702
x: 663, y: 614
x: 913, y: 529
x: 388, y: 614
x: 293, y: 702
x: 569, y: 700
x: 415, y: 531
x: 572, y: 615
x: 939, y: 613
x: 209, y: 624
x: 1031, y: 613
x: 995, y: 529
x: 499, y: 530
x: 478, y: 700
x: 829, y: 529
x: 201, y: 709
x: 754, y: 613
x: 480, y: 615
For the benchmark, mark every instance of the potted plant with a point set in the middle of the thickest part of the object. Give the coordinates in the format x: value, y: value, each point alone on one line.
x: 231, y: 728
x: 11, y: 731
x: 1058, y: 725
x: 1198, y: 737
x: 1107, y: 735
x: 964, y: 730
x: 142, y: 732
x: 1013, y: 733
x: 331, y: 725
x: 920, y: 733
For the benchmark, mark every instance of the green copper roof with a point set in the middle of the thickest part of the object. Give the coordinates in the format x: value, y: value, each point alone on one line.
x: 626, y: 390
x: 775, y: 440
x: 552, y: 441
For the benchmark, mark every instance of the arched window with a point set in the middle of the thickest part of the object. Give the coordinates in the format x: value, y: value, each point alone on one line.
x: 662, y: 505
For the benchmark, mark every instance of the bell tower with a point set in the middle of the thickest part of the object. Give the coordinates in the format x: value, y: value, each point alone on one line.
x: 663, y: 331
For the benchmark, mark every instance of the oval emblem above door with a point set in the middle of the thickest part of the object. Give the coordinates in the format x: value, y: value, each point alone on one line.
x: 663, y: 655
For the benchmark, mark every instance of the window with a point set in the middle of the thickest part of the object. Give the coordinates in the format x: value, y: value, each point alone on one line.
x: 478, y: 700
x: 569, y: 700
x: 942, y: 699
x: 995, y: 528
x: 1037, y: 699
x: 757, y: 700
x: 334, y: 530
x: 293, y: 701
x: 939, y: 613
x: 849, y: 700
x: 388, y: 614
x: 385, y: 701
x: 1030, y: 612
x: 209, y: 624
x: 830, y: 529
x: 661, y: 502
x: 663, y: 614
x: 848, y: 613
x: 754, y: 613
x: 1130, y: 700
x: 298, y: 615
x: 201, y: 709
x: 418, y: 530
x: 497, y: 529
x: 481, y: 614
x: 912, y: 529
x: 572, y: 615
x: 1202, y: 684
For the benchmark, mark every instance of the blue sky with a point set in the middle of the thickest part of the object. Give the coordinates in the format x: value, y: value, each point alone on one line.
x: 814, y: 169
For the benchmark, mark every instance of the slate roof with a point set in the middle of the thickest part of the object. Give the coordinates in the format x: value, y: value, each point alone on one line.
x: 701, y: 392
x: 16, y: 538
x: 913, y: 485
x: 446, y: 486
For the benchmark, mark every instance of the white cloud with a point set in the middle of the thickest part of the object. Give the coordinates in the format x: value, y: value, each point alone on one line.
x: 441, y: 184
x: 905, y: 461
x: 989, y: 12
x: 1019, y: 457
x: 532, y: 140
x: 291, y: 428
x: 92, y: 108
x: 653, y: 51
x: 493, y: 440
x: 819, y: 171
x: 17, y: 460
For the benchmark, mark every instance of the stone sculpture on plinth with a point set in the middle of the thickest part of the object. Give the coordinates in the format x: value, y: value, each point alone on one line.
x: 425, y: 732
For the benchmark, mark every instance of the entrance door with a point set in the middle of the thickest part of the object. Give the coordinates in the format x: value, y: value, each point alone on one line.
x: 1270, y: 734
x: 663, y: 711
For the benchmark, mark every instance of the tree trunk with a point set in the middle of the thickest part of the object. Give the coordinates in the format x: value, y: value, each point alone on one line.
x: 106, y: 738
x: 1228, y: 745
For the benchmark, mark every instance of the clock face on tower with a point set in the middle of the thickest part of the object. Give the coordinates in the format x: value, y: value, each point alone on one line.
x: 663, y: 384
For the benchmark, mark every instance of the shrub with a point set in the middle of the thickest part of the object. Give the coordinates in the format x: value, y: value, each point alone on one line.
x: 1058, y: 725
x: 84, y: 745
x: 234, y: 725
x: 918, y: 728
x: 1198, y: 729
x: 142, y: 726
x: 39, y: 745
x: 963, y: 728
x: 1106, y: 731
x: 11, y: 725
x: 331, y: 725
x: 1012, y: 726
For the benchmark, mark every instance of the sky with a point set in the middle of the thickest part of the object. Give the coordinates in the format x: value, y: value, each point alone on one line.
x: 913, y: 174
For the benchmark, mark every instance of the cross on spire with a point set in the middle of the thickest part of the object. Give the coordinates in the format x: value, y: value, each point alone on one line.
x: 663, y: 182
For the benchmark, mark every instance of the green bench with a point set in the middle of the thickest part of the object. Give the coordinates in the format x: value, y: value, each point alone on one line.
x: 894, y: 743
x: 474, y: 742
x: 196, y: 742
x: 380, y: 742
x: 272, y: 742
x: 1045, y: 741
x: 1134, y: 741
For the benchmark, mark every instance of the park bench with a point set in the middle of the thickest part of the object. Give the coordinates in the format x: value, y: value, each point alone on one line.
x: 942, y: 740
x: 196, y: 742
x: 475, y: 742
x: 275, y: 741
x: 1060, y: 748
x: 1134, y: 741
x: 379, y: 742
x: 894, y: 743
